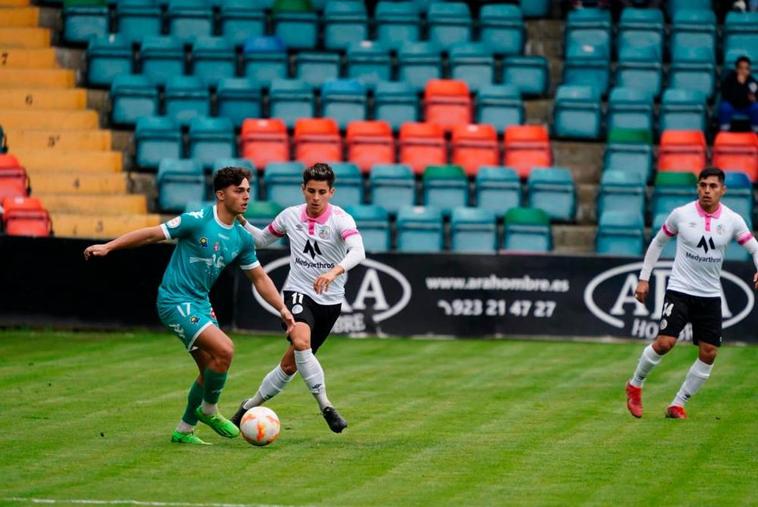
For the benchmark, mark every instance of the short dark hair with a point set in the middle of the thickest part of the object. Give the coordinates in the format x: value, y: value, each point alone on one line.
x: 319, y: 172
x: 741, y: 59
x: 229, y: 176
x: 711, y: 171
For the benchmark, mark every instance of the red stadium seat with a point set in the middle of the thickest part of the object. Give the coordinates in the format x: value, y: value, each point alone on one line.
x: 421, y: 145
x: 264, y: 141
x: 369, y: 143
x: 447, y: 102
x: 682, y: 151
x: 475, y: 146
x: 25, y: 216
x: 737, y: 151
x: 317, y: 140
x: 526, y: 147
x: 14, y: 181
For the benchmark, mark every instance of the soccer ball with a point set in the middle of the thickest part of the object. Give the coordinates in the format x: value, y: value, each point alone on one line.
x: 260, y: 426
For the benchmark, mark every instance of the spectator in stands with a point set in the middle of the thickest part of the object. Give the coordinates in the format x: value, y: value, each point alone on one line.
x: 738, y: 93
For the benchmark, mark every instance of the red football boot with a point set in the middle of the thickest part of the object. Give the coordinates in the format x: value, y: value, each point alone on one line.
x: 634, y: 400
x: 676, y: 412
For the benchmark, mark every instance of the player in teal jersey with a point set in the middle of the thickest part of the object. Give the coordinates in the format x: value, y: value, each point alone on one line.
x: 208, y: 240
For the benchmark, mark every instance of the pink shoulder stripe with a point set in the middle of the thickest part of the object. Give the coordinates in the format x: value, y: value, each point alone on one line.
x: 273, y: 231
x: 744, y: 237
x: 667, y: 231
x: 349, y: 232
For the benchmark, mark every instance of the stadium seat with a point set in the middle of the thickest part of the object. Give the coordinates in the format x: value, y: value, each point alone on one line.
x: 242, y: 163
x: 737, y: 151
x: 588, y: 18
x: 473, y: 146
x: 577, y: 113
x: 283, y: 181
x: 25, y: 216
x: 264, y: 59
x: 682, y: 150
x: 641, y: 27
x: 498, y: 189
x: 3, y: 141
x: 621, y: 191
x: 449, y: 23
x: 156, y: 138
x: 499, y: 105
x: 473, y: 230
x: 620, y: 233
x: 392, y: 186
x: 83, y: 19
x: 239, y: 21
x: 349, y: 184
x: 179, y: 182
x: 694, y: 28
x: 692, y: 68
x: 132, y: 96
x: 138, y: 19
x: 527, y: 146
x: 639, y: 66
x: 162, y: 58
x: 397, y: 24
x: 14, y: 181
x: 740, y: 28
x: 419, y: 62
x: 742, y: 46
x: 674, y: 6
x: 552, y: 190
x: 630, y: 108
x: 369, y: 143
x: 473, y: 63
x: 345, y: 23
x: 527, y: 230
x: 238, y: 98
x: 186, y: 98
x: 264, y: 141
x: 501, y: 28
x: 588, y: 49
x: 261, y: 213
x: 107, y: 57
x: 188, y: 19
x: 445, y: 187
x: 290, y: 99
x: 297, y: 29
x: 395, y: 103
x: 317, y: 140
x: 421, y: 145
x: 629, y: 151
x: 315, y: 68
x: 672, y: 189
x: 536, y: 8
x: 373, y: 222
x: 419, y: 230
x: 213, y: 59
x: 447, y: 103
x: 739, y: 195
x: 683, y: 109
x: 344, y: 100
x: 210, y: 139
x: 670, y: 249
x: 529, y: 74
x: 369, y: 62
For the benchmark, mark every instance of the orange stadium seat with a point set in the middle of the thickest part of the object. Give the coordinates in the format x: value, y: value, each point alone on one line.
x: 682, y: 150
x: 447, y: 103
x: 475, y: 146
x: 317, y: 140
x: 526, y: 147
x: 369, y: 143
x: 421, y: 145
x: 25, y: 216
x: 264, y: 141
x: 14, y: 182
x: 737, y: 151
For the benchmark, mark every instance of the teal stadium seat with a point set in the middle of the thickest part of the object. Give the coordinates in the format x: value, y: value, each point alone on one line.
x: 620, y: 233
x: 672, y: 189
x: 629, y: 155
x: 132, y: 96
x: 420, y: 230
x: 449, y: 23
x: 536, y: 8
x: 588, y: 48
x: 739, y: 195
x: 473, y: 63
x: 345, y: 23
x: 641, y: 28
x: 156, y: 138
x: 473, y: 230
x: 501, y: 28
x: 211, y: 139
x: 639, y: 67
x: 186, y: 98
x: 349, y: 184
x: 692, y: 68
x: 670, y: 249
x: 213, y: 59
x: 630, y: 108
x: 162, y: 58
x: 741, y: 31
x: 674, y: 6
x: 179, y: 182
x: 290, y: 99
x: 83, y: 19
x: 683, y: 110
x: 282, y: 181
x: 694, y: 28
x: 297, y: 29
x: 499, y: 105
x: 529, y: 74
x: 418, y: 62
x: 315, y: 68
x: 241, y: 163
x: 577, y: 113
x: 107, y: 57
x: 527, y: 230
x: 369, y: 62
x: 397, y: 23
x: 445, y: 187
x: 344, y: 100
x: 498, y: 189
x: 241, y: 19
x: 264, y: 59
x: 188, y: 19
x: 373, y: 223
x: 396, y: 103
x: 238, y: 99
x: 137, y: 19
x: 552, y: 190
x: 621, y: 191
x: 392, y: 186
x: 261, y: 213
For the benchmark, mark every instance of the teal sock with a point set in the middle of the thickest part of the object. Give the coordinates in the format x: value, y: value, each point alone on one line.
x: 214, y: 384
x: 194, y: 398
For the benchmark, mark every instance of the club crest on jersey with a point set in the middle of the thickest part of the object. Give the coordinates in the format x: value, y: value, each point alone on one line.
x: 297, y: 309
x: 204, y: 242
x: 323, y: 232
x: 174, y: 222
x: 194, y: 319
x: 720, y: 229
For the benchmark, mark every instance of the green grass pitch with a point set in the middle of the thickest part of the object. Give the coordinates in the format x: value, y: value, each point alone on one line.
x: 88, y: 416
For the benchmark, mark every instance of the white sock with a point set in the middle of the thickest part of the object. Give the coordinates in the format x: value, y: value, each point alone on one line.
x: 648, y: 360
x: 313, y: 375
x: 209, y: 408
x: 696, y: 377
x: 272, y: 384
x: 183, y: 427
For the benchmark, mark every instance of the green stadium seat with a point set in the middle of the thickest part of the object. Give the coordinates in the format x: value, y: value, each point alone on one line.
x: 344, y: 100
x: 369, y: 62
x: 552, y: 190
x: 683, y: 109
x: 373, y: 223
x: 213, y: 59
x: 620, y: 233
x: 630, y: 108
x: 349, y: 184
x: 397, y: 24
x: 239, y: 21
x: 162, y: 58
x: 261, y: 213
x: 501, y: 28
x: 449, y: 23
x: 577, y: 113
x: 418, y: 62
x: 392, y: 186
x: 419, y: 230
x: 83, y: 19
x: 264, y: 59
x: 315, y: 68
x: 473, y: 63
x: 498, y: 189
x: 107, y: 57
x: 282, y: 181
x: 179, y: 182
x: 499, y: 105
x: 445, y: 187
x: 396, y: 103
x: 527, y: 230
x: 621, y: 191
x: 132, y: 96
x: 186, y: 98
x: 529, y: 74
x: 345, y: 23
x: 156, y: 138
x: 290, y: 99
x: 238, y: 99
x: 211, y: 139
x: 672, y: 189
x: 473, y: 230
x: 137, y: 19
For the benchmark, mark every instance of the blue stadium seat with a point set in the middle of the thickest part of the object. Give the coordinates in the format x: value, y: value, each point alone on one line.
x: 186, y: 98
x: 620, y: 233
x: 473, y: 230
x: 290, y: 99
x: 498, y: 189
x: 188, y: 19
x: 345, y: 23
x: 739, y: 195
x: 670, y: 249
x: 629, y: 157
x: 239, y: 98
x: 529, y: 74
x: 344, y: 100
x: 630, y: 108
x: 179, y: 182
x: 392, y: 186
x: 621, y: 191
x: 419, y: 229
x: 397, y: 23
x: 239, y: 21
x: 396, y: 103
x: 639, y: 67
x: 449, y: 23
x: 694, y: 28
x: 315, y: 68
x: 683, y: 110
x: 641, y: 28
x: 213, y: 59
x: 527, y: 230
x: 81, y: 22
x: 156, y: 138
x: 349, y: 183
x: 211, y: 139
x: 162, y: 58
x: 552, y: 190
x: 282, y: 181
x: 587, y: 63
x: 241, y: 163
x: 265, y: 59
x: 671, y: 191
x: 473, y: 63
x: 107, y: 57
x: 132, y: 96
x: 369, y: 62
x: 445, y: 187
x: 137, y: 19
x: 501, y: 28
x: 692, y: 69
x: 297, y: 29
x: 577, y: 113
x: 373, y: 223
x: 499, y: 105
x: 418, y: 62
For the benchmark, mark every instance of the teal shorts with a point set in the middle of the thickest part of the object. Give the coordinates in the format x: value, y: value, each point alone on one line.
x: 187, y: 319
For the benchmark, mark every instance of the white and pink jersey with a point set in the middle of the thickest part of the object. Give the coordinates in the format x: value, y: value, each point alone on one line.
x: 316, y: 246
x: 702, y: 239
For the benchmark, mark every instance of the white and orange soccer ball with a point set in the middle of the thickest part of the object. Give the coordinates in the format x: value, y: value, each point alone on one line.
x: 260, y: 426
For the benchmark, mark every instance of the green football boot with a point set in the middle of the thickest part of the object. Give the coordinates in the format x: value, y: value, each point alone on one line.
x: 218, y: 423
x: 178, y: 437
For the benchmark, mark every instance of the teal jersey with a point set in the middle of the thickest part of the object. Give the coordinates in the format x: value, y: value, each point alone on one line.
x: 205, y: 247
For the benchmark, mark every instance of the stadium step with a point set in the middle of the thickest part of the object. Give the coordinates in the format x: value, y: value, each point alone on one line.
x: 22, y: 16
x: 24, y: 37
x: 94, y: 204
x: 79, y: 182
x: 49, y: 120
x: 37, y: 78
x: 100, y: 226
x: 73, y: 98
x: 16, y: 58
x: 70, y: 160
x: 59, y: 139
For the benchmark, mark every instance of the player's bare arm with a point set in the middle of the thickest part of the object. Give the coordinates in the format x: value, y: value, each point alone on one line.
x: 270, y: 294
x: 134, y: 239
x: 322, y: 282
x: 643, y: 287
